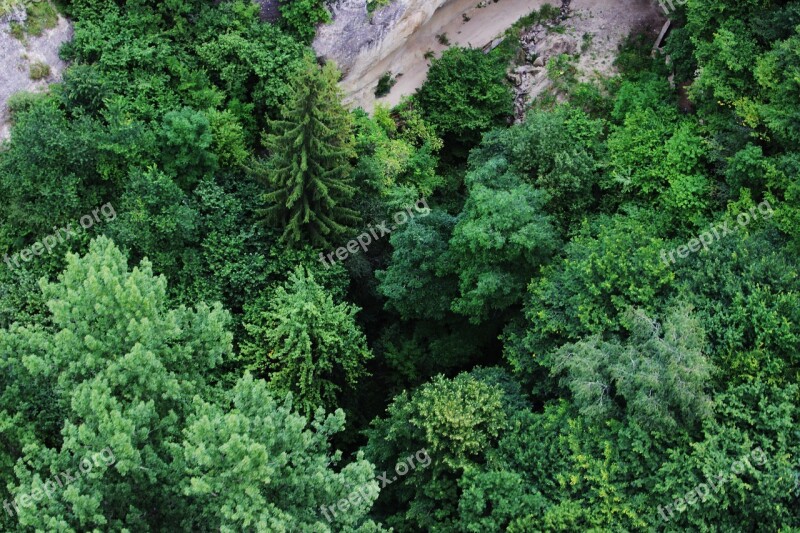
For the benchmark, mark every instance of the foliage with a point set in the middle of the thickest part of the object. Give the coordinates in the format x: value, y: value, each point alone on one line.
x: 155, y: 217
x: 385, y: 84
x: 308, y: 170
x: 746, y: 293
x: 119, y: 368
x: 53, y: 168
x: 416, y: 283
x: 308, y: 344
x: 465, y: 94
x: 456, y: 421
x: 658, y: 374
x: 256, y: 466
x: 39, y: 70
x: 559, y: 151
x: 186, y: 138
x: 120, y: 365
x: 501, y: 238
x: 397, y: 153
x: 374, y: 5
x: 301, y: 17
x: 40, y: 16
x: 528, y: 331
x: 604, y: 272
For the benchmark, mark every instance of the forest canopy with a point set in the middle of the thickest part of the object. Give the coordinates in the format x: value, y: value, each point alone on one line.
x: 222, y: 307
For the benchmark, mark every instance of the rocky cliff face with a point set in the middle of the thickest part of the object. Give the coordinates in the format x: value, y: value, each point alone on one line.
x: 361, y: 43
x: 401, y: 37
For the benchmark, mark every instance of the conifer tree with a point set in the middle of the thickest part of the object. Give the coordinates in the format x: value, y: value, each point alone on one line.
x: 120, y: 427
x: 308, y: 170
x: 310, y: 345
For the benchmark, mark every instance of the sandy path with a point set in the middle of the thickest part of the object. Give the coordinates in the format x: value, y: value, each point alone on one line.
x: 409, y: 60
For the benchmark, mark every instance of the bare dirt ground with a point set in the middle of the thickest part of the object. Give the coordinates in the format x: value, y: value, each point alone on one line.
x: 484, y: 24
x: 607, y: 22
x: 18, y: 56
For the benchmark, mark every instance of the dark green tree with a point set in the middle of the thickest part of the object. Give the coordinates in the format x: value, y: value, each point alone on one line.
x: 308, y: 170
x: 466, y: 94
x: 301, y: 17
x: 502, y: 237
x: 185, y: 139
x: 416, y: 283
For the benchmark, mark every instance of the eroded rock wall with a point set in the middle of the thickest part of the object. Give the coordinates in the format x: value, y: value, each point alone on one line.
x: 360, y: 42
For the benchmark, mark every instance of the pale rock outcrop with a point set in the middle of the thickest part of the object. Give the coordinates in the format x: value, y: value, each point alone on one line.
x: 358, y: 41
x: 401, y: 37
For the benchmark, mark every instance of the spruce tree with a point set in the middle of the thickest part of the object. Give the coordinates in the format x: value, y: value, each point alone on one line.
x: 308, y: 170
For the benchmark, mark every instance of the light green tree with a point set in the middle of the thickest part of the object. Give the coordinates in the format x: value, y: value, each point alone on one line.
x: 118, y: 371
x: 258, y: 467
x: 658, y: 377
x: 307, y: 344
x: 121, y: 365
x: 457, y: 421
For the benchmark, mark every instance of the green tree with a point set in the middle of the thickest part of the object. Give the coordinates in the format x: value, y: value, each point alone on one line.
x: 501, y: 238
x: 559, y: 151
x: 466, y: 94
x: 417, y: 283
x: 746, y: 292
x: 659, y: 374
x: 256, y: 466
x: 397, y: 152
x: 55, y: 169
x: 753, y: 442
x: 119, y: 372
x: 121, y: 365
x: 612, y: 264
x: 301, y: 17
x: 185, y: 139
x: 308, y: 171
x: 568, y: 472
x: 307, y: 344
x: 155, y: 220
x: 457, y: 421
